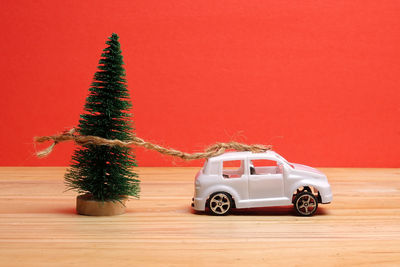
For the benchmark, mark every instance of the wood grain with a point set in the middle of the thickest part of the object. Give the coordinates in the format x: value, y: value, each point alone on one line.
x: 39, y: 227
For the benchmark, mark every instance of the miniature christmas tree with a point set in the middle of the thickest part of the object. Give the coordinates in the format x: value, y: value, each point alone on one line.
x: 104, y: 173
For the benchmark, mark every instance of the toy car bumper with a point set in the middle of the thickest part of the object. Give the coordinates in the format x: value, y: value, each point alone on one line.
x: 326, y: 195
x: 198, y: 204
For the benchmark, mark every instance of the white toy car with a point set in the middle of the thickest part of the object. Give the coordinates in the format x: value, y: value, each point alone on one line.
x: 249, y: 180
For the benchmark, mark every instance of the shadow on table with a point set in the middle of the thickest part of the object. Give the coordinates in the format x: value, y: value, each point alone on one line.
x: 265, y: 211
x: 67, y: 211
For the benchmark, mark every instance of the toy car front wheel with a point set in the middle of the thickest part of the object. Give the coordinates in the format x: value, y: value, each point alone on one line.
x: 220, y: 203
x: 305, y: 204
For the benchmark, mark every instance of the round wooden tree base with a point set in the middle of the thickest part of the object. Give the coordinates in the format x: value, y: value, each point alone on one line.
x: 85, y: 205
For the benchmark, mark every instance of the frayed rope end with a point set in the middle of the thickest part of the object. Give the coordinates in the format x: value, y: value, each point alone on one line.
x: 45, y: 152
x: 65, y: 136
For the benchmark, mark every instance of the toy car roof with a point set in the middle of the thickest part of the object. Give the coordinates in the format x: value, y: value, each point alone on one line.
x: 240, y: 155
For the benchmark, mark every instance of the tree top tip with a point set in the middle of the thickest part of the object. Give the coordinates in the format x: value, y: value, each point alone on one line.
x: 114, y: 35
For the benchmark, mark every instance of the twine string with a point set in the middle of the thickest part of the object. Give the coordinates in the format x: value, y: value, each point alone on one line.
x: 211, y: 151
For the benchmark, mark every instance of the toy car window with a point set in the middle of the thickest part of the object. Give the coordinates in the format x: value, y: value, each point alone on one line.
x: 264, y: 166
x: 232, y: 168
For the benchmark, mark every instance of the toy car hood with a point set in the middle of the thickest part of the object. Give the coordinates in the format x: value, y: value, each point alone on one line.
x: 305, y: 168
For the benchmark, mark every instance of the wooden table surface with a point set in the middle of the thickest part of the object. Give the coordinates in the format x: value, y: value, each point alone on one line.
x: 39, y: 227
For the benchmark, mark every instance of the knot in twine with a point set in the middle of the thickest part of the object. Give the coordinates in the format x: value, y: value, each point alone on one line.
x: 212, y: 151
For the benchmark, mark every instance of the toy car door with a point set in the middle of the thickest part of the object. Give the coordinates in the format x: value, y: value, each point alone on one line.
x: 234, y: 177
x: 265, y: 179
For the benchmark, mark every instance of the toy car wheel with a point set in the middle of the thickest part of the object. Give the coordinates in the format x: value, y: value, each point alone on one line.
x: 305, y: 204
x: 220, y: 203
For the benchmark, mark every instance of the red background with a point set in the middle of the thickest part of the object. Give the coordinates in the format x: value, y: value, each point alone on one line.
x: 319, y: 80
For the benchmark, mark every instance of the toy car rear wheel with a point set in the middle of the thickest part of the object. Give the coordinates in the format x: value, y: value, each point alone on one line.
x: 305, y: 204
x: 220, y: 203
